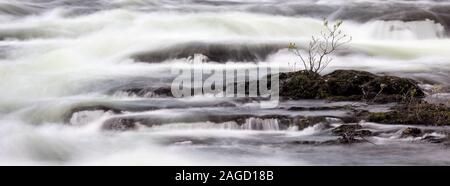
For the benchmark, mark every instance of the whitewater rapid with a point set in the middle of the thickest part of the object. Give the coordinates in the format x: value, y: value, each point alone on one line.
x: 59, y: 55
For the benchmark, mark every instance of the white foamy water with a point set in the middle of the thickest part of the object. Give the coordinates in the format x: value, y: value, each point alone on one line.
x: 56, y: 56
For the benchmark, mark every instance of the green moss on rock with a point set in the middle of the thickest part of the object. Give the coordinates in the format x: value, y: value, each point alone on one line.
x: 416, y: 113
x: 350, y: 85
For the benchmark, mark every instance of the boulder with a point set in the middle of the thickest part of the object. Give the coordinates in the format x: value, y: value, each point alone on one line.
x: 351, y: 130
x: 391, y: 89
x: 301, y: 85
x: 411, y: 132
x: 119, y: 124
x: 347, y: 85
x: 347, y: 82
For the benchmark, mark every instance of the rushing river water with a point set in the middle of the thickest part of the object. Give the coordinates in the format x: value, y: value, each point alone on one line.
x: 59, y: 55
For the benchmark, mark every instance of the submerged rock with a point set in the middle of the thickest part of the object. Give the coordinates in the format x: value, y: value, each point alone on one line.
x: 244, y: 122
x: 149, y: 92
x: 436, y: 139
x: 71, y: 115
x: 119, y: 124
x: 84, y: 117
x: 346, y: 128
x: 352, y: 130
x: 338, y: 141
x: 217, y: 52
x: 411, y: 132
x: 349, y: 134
x: 305, y: 122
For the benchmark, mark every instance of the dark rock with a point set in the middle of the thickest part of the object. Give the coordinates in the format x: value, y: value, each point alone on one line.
x: 303, y: 123
x: 119, y: 124
x: 364, y: 133
x: 347, y: 82
x: 318, y: 108
x: 163, y: 91
x: 301, y: 85
x: 420, y: 112
x: 391, y: 89
x: 338, y: 141
x: 346, y: 140
x: 351, y: 130
x: 351, y: 133
x: 356, y: 116
x: 434, y: 139
x: 149, y: 91
x: 347, y: 85
x: 438, y: 14
x: 284, y: 122
x: 411, y: 132
x: 96, y: 108
x: 217, y: 52
x: 342, y: 129
x: 307, y: 142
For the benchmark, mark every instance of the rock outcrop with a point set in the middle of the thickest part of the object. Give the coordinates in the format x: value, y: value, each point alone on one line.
x: 414, y: 113
x: 347, y: 85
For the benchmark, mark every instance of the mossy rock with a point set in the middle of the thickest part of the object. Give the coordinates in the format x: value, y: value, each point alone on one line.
x: 415, y: 113
x: 347, y: 85
x: 301, y: 85
x: 393, y: 86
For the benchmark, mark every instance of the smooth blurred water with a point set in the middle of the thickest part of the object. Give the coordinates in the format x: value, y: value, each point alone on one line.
x: 57, y: 55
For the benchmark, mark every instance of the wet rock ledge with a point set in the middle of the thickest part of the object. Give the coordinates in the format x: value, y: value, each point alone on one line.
x: 351, y: 85
x: 341, y: 85
x: 348, y: 85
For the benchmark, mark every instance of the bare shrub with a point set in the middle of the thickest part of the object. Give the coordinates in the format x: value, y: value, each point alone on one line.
x: 317, y: 56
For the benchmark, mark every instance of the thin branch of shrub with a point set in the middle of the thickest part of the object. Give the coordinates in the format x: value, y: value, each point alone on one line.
x: 318, y: 51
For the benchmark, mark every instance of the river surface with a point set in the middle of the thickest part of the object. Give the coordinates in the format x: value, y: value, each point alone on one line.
x: 59, y: 55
